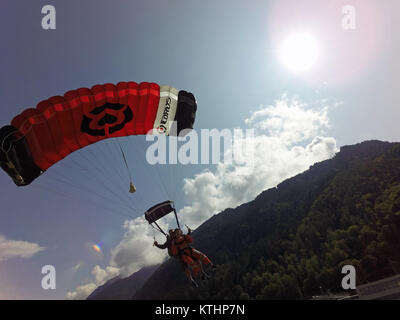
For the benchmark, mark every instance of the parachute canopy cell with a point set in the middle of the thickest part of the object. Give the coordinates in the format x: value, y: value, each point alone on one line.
x: 40, y: 137
x: 158, y: 211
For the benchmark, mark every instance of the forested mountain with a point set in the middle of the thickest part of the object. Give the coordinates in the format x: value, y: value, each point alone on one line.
x: 292, y: 241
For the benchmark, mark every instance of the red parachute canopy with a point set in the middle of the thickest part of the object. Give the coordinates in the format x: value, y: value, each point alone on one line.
x: 39, y: 137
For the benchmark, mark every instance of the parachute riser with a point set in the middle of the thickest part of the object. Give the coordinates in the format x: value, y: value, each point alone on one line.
x: 159, y: 228
x: 176, y: 216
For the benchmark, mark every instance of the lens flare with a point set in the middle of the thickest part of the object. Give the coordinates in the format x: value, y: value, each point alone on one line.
x: 97, y: 247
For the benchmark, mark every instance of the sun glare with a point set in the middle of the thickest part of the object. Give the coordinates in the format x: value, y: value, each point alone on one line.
x: 299, y: 52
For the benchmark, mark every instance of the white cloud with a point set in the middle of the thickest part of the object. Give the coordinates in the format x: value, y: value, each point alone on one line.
x: 81, y: 292
x: 133, y: 252
x: 101, y: 276
x: 290, y: 121
x: 13, y: 248
x: 288, y: 140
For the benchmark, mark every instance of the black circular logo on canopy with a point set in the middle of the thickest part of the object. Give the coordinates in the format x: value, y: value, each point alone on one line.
x: 106, y: 119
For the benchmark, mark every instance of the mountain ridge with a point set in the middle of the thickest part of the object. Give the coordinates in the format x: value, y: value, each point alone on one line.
x: 122, y: 288
x: 291, y: 241
x: 322, y: 204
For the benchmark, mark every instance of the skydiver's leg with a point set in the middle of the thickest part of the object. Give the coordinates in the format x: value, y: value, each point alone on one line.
x: 203, y: 258
x: 188, y: 265
x: 189, y: 276
x: 197, y: 256
x: 194, y: 266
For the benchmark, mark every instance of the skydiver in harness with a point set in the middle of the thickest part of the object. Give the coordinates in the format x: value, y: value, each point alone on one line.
x: 179, y: 247
x: 177, y: 243
x: 173, y: 252
x: 195, y: 259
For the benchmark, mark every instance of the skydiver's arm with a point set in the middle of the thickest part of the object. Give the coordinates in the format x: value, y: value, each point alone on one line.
x: 162, y: 246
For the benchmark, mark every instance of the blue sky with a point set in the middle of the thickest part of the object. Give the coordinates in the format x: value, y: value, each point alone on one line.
x: 227, y: 54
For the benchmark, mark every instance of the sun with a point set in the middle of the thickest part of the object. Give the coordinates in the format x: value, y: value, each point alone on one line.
x: 299, y: 52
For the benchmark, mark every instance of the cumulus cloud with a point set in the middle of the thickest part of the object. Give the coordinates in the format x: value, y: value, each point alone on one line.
x: 133, y: 253
x: 287, y: 141
x: 290, y: 121
x: 81, y: 292
x: 130, y: 255
x: 101, y: 276
x: 13, y: 248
